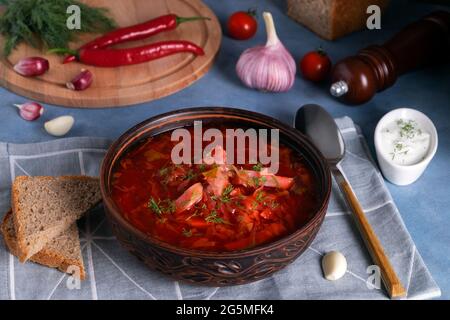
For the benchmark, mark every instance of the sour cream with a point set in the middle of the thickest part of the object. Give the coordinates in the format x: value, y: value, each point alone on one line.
x: 404, y: 142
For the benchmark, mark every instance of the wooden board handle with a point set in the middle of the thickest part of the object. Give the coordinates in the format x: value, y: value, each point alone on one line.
x: 390, y: 279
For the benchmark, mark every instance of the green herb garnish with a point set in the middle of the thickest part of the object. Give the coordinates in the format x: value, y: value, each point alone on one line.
x: 213, y: 217
x: 187, y: 233
x: 190, y: 175
x: 261, y: 199
x: 260, y: 196
x: 258, y: 199
x: 408, y: 129
x: 161, y: 207
x: 43, y: 23
x: 170, y: 206
x: 257, y: 167
x: 226, y: 194
x: 398, y: 149
x: 258, y: 181
x: 163, y: 172
x: 225, y: 197
x: 154, y: 206
x: 273, y: 204
x: 238, y: 204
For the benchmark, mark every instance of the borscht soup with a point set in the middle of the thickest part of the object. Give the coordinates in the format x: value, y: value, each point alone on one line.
x: 213, y: 206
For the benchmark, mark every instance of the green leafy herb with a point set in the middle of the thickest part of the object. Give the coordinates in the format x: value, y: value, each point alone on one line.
x: 187, y: 233
x: 273, y: 204
x: 257, y: 167
x: 164, y: 171
x: 262, y: 199
x: 408, y: 129
x: 161, y: 207
x: 398, y: 149
x: 190, y: 175
x: 260, y: 196
x: 225, y: 198
x: 258, y: 181
x: 213, y: 217
x: 170, y: 206
x: 154, y: 206
x: 43, y: 23
x: 238, y: 203
x: 258, y: 199
x: 226, y: 194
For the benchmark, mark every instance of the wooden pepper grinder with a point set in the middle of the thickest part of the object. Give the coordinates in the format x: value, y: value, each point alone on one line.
x: 356, y: 79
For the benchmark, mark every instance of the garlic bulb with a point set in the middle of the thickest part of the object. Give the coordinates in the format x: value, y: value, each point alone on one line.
x: 270, y: 67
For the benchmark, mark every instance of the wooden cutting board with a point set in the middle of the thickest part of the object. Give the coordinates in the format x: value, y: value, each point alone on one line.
x: 114, y: 87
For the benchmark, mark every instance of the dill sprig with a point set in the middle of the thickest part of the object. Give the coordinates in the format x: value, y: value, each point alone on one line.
x: 213, y: 217
x: 226, y: 194
x: 257, y: 167
x: 161, y: 207
x: 187, y: 233
x: 43, y: 23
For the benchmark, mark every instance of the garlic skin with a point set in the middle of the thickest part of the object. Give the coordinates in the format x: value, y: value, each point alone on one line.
x: 30, y: 111
x: 267, y: 68
x: 334, y: 265
x: 82, y: 81
x: 60, y: 126
x: 32, y: 66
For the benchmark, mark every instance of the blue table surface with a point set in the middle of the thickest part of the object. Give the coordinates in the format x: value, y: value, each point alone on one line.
x: 424, y: 205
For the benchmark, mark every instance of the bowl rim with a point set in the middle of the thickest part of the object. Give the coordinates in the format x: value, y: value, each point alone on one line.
x: 112, y: 209
x: 415, y: 114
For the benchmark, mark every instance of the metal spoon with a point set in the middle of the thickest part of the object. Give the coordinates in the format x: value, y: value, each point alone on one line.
x: 320, y: 127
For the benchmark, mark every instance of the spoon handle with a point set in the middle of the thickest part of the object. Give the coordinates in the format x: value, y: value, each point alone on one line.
x: 373, y: 244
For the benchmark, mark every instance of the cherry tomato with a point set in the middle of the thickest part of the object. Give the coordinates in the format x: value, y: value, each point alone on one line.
x: 242, y: 25
x: 315, y: 65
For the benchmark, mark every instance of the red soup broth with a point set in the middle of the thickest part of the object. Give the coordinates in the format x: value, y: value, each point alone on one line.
x: 216, y: 207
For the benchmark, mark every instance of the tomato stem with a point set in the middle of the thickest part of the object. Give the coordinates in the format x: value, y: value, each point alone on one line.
x: 321, y: 51
x: 252, y: 12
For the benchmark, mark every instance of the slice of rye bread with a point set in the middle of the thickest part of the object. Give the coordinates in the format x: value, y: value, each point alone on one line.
x: 44, y: 207
x: 63, y: 252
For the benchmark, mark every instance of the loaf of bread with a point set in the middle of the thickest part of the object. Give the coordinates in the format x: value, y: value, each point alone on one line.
x: 61, y: 252
x: 331, y: 19
x: 45, y: 207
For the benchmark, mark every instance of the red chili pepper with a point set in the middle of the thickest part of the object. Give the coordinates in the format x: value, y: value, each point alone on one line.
x: 129, y: 56
x: 137, y: 32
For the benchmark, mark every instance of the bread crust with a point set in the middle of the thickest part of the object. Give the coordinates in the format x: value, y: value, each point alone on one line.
x: 349, y: 16
x: 23, y: 251
x: 344, y: 16
x: 47, y: 257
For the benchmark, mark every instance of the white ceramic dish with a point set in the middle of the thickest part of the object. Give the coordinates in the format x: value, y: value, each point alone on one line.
x: 404, y: 174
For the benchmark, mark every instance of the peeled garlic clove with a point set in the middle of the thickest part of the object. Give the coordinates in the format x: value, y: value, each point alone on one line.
x: 30, y: 111
x: 59, y: 126
x: 270, y: 67
x: 334, y: 265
